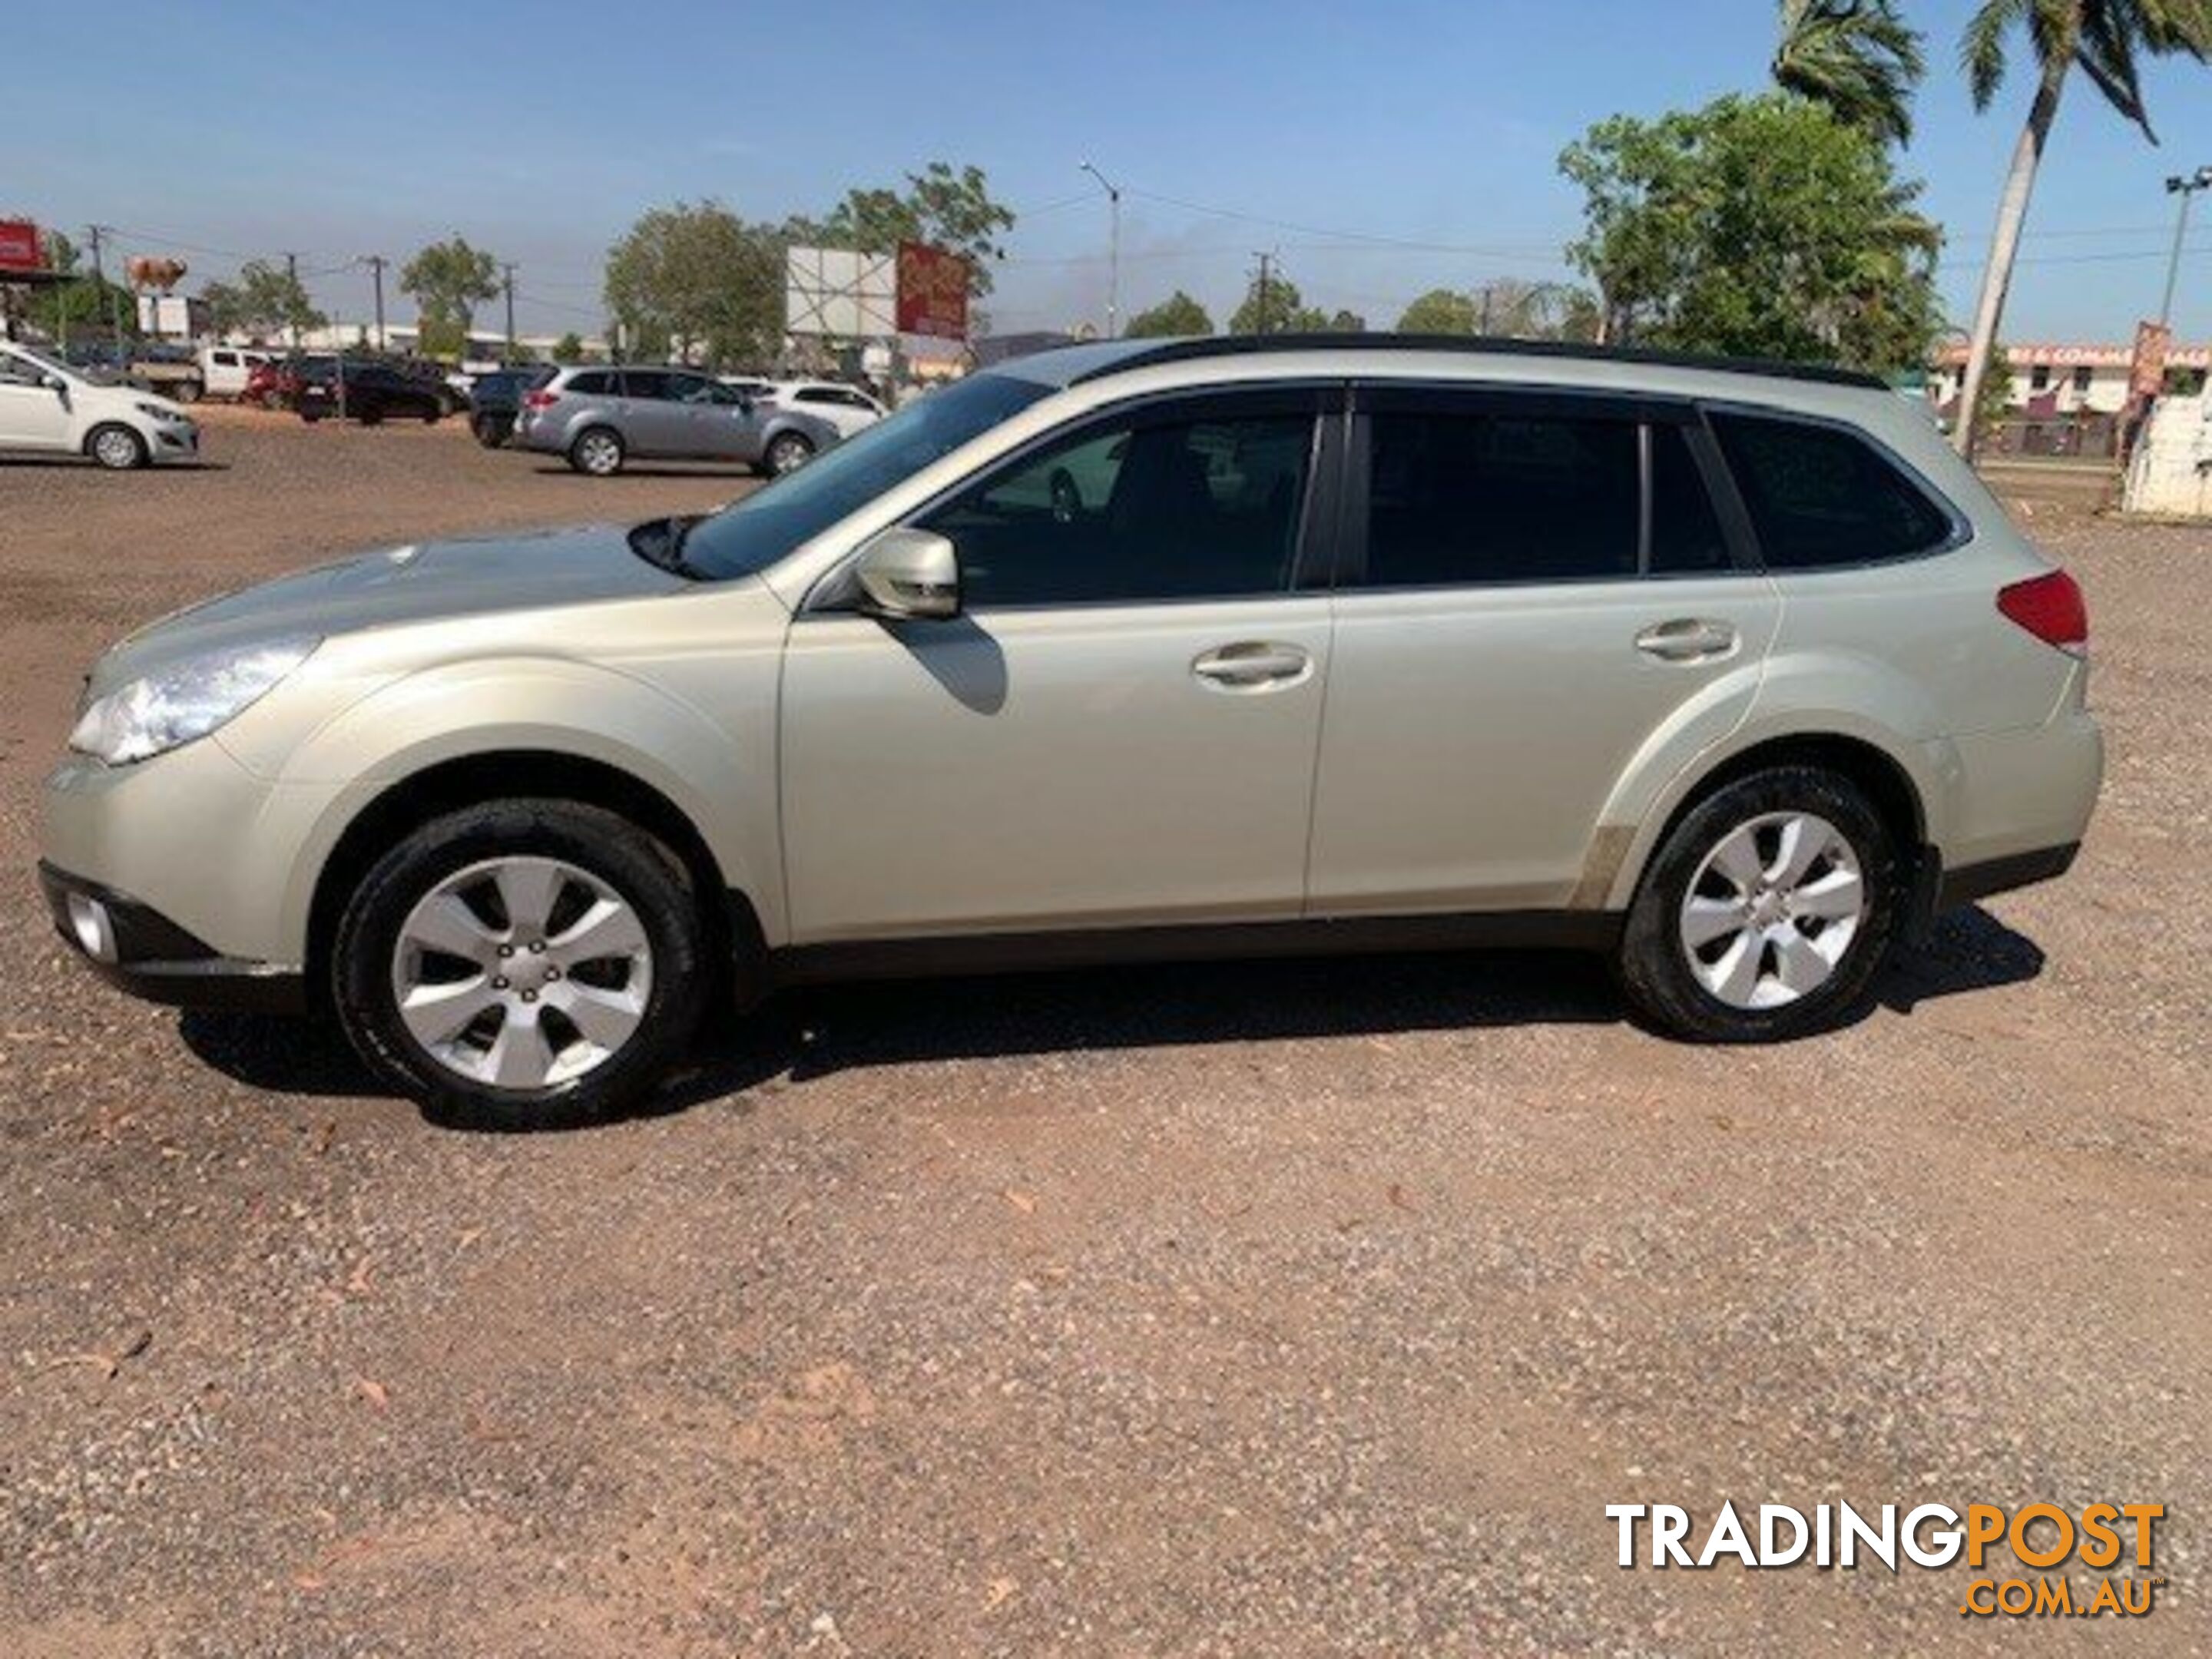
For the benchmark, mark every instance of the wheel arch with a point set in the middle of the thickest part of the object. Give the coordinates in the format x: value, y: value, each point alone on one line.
x: 1880, y: 769
x: 404, y: 805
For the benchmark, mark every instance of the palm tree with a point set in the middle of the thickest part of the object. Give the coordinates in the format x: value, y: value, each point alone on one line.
x: 1857, y: 57
x: 2103, y: 38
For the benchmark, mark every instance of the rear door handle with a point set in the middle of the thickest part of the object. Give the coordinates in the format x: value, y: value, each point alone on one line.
x: 1253, y: 666
x: 1687, y: 639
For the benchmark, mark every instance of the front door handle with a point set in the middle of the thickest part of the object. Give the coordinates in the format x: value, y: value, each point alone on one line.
x: 1687, y: 639
x: 1253, y: 666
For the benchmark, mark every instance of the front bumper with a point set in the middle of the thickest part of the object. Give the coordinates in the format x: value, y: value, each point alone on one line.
x: 175, y: 440
x: 134, y: 947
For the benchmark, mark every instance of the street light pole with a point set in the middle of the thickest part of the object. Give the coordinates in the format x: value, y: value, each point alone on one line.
x: 1113, y: 251
x: 2184, y: 186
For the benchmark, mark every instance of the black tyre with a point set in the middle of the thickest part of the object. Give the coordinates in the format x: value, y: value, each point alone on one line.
x: 786, y: 453
x: 1766, y: 911
x: 116, y: 448
x: 370, y: 414
x: 486, y: 431
x: 523, y: 964
x: 597, y: 452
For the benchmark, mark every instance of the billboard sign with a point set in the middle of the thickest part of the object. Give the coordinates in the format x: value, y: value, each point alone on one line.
x: 836, y: 294
x: 19, y: 246
x: 2147, y: 374
x: 933, y: 292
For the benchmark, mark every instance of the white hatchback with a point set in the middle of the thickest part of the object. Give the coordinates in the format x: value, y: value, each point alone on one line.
x: 46, y: 407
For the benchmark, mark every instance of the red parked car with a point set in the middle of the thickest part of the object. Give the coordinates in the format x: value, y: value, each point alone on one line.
x: 277, y: 384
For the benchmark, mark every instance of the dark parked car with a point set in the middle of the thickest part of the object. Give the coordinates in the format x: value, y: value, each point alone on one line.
x: 495, y: 399
x: 277, y: 384
x: 373, y: 392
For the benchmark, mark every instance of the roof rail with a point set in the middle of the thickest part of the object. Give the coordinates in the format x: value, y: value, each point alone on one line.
x: 1237, y: 345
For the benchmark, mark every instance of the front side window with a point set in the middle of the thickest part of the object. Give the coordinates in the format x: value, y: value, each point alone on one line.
x: 1459, y: 497
x: 1145, y: 507
x: 1820, y: 496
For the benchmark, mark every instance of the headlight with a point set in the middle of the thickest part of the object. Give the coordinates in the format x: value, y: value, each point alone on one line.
x: 154, y: 412
x: 151, y: 715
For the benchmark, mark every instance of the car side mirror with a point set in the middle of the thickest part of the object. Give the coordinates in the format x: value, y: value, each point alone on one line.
x: 908, y: 575
x: 54, y: 383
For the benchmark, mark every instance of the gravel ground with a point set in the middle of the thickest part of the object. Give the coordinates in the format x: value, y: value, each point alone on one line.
x: 1286, y: 1310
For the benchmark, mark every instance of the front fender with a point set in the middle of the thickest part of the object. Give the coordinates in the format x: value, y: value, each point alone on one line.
x: 721, y: 780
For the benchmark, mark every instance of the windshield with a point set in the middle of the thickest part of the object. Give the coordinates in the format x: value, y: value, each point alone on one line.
x: 47, y: 364
x: 768, y: 523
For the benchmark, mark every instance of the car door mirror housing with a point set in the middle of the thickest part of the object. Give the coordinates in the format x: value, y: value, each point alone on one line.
x: 908, y: 575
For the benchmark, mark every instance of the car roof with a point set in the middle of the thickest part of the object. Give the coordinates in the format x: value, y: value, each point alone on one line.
x: 1409, y: 355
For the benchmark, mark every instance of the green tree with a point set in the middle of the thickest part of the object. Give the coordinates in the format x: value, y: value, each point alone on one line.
x: 569, y: 347
x: 448, y: 280
x: 265, y: 301
x: 1276, y: 308
x: 1758, y: 226
x: 89, y: 305
x: 698, y: 275
x: 1857, y: 57
x: 1177, y: 314
x: 1440, y: 311
x: 2104, y: 39
x: 1993, y: 407
x: 1347, y: 322
x: 947, y: 208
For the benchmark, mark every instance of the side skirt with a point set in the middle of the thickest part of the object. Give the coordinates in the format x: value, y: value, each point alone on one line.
x: 992, y: 953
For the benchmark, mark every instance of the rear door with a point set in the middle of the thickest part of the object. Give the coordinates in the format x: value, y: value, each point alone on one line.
x: 651, y: 422
x: 1534, y: 585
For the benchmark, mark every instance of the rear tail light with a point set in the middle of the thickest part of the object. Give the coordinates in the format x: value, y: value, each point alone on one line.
x: 540, y: 399
x: 2051, y: 608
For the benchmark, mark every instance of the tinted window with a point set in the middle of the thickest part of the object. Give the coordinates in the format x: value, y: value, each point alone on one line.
x: 690, y: 389
x: 1686, y: 530
x: 1820, y: 496
x: 644, y: 383
x: 594, y: 383
x: 816, y: 395
x: 1158, y: 509
x: 1478, y: 497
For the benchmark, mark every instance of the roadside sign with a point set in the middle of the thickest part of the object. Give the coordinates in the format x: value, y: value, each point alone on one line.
x: 19, y: 246
x: 2147, y: 375
x: 933, y: 292
x: 838, y: 295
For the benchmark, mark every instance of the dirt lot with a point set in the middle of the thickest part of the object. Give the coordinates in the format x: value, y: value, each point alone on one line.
x: 1286, y: 1310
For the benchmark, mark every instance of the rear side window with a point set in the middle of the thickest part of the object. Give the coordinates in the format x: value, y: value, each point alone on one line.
x: 1822, y: 497
x: 594, y: 383
x: 644, y: 383
x: 1473, y: 497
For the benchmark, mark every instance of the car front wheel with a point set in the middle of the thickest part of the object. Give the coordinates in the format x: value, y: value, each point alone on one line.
x: 1766, y: 912
x: 116, y: 448
x: 523, y: 964
x: 787, y: 452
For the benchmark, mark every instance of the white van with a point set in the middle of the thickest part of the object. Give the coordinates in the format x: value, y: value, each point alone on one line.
x: 224, y: 369
x: 47, y: 407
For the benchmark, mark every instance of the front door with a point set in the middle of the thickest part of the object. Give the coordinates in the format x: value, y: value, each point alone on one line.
x: 1118, y: 730
x: 33, y: 415
x: 1536, y: 589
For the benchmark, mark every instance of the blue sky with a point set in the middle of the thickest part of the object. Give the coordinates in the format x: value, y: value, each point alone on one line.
x: 540, y: 130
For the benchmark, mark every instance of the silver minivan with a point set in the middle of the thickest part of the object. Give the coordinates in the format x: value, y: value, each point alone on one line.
x: 1735, y: 673
x: 598, y: 418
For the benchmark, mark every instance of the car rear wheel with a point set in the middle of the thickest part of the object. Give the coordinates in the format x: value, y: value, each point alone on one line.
x: 1766, y: 912
x: 598, y: 452
x: 523, y: 964
x: 486, y: 431
x: 786, y: 453
x: 116, y: 448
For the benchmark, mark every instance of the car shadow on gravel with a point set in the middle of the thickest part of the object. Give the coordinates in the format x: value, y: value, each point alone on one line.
x: 819, y: 1031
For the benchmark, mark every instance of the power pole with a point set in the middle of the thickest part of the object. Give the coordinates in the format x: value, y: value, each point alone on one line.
x: 292, y: 284
x: 97, y: 235
x: 2185, y: 187
x: 508, y: 272
x: 1113, y: 251
x: 1485, y: 328
x: 1266, y: 261
x: 376, y: 263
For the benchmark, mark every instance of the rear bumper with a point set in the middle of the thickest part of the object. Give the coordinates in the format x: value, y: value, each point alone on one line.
x: 135, y: 948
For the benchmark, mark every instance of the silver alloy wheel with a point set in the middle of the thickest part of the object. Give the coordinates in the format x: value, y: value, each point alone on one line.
x: 1770, y: 912
x: 117, y: 448
x: 522, y: 972
x: 600, y: 453
x: 788, y: 453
